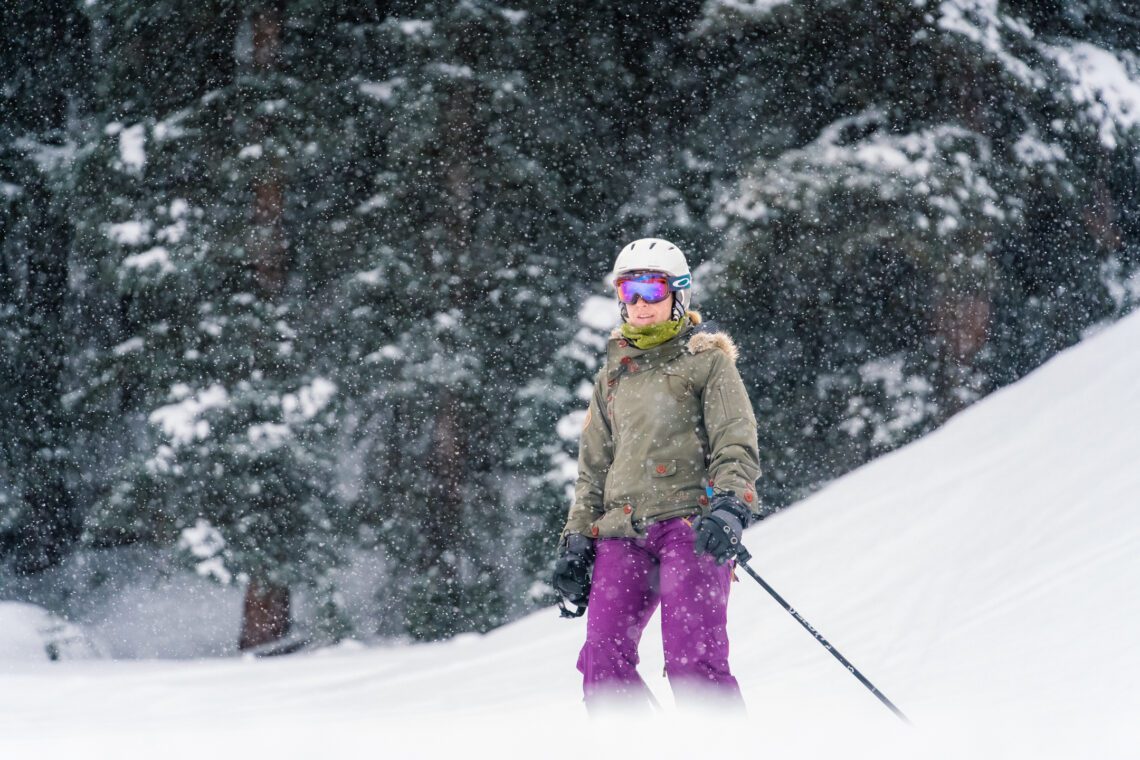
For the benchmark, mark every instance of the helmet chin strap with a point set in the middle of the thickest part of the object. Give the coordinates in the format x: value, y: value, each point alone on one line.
x: 678, y: 309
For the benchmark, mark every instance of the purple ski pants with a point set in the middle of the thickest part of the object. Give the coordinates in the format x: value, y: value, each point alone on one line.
x: 631, y: 577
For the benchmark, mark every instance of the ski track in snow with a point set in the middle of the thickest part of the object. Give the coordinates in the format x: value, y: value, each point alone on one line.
x: 983, y: 578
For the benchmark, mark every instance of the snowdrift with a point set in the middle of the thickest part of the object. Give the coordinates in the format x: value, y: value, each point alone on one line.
x: 29, y: 633
x: 984, y: 578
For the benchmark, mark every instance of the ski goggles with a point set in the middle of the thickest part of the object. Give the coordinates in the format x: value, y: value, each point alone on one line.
x: 651, y: 287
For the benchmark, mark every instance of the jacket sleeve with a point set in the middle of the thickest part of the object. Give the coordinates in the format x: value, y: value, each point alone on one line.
x: 595, y: 455
x: 734, y: 463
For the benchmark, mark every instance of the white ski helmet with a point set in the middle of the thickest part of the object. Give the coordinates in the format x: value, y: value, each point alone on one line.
x: 657, y: 255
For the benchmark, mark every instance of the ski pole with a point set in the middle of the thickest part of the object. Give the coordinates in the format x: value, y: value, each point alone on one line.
x: 742, y: 557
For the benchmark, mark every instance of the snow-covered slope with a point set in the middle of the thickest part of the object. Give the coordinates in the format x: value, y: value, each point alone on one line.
x: 984, y: 578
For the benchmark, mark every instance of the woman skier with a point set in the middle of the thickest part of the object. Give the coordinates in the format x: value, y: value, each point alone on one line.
x: 667, y: 467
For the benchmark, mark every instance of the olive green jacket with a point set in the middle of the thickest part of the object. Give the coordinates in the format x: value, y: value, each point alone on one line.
x: 662, y: 423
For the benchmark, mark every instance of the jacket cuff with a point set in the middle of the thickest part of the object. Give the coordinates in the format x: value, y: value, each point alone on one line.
x: 731, y: 503
x: 744, y: 492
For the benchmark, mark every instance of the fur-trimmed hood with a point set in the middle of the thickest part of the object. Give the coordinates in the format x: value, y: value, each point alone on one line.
x: 703, y: 341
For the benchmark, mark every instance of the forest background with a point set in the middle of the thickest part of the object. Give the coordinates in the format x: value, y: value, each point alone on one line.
x: 287, y: 283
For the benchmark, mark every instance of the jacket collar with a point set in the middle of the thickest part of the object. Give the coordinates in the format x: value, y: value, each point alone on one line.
x: 623, y: 356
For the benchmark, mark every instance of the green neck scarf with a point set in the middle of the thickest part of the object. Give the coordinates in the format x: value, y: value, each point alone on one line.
x: 651, y: 336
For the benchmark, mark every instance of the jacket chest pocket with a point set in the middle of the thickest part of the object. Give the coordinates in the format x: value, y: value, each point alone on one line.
x: 680, y: 387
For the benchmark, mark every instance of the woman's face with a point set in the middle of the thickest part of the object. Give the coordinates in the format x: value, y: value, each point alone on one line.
x: 641, y: 313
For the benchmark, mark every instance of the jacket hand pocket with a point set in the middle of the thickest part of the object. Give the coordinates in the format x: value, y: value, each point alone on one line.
x: 617, y: 522
x: 662, y: 468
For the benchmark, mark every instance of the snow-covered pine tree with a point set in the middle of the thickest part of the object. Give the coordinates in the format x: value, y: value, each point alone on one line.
x: 410, y: 203
x: 462, y: 303
x: 43, y: 88
x: 934, y: 192
x: 226, y: 180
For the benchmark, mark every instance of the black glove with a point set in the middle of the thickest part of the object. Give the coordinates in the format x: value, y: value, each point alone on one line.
x: 572, y: 571
x: 718, y: 532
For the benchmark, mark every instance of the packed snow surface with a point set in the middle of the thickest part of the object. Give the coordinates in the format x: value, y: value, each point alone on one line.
x: 984, y: 578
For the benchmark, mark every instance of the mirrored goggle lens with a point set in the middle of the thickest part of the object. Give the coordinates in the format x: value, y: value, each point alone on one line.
x: 650, y: 289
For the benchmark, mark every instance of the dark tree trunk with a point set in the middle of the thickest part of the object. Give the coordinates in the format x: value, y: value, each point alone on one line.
x: 1100, y: 216
x: 449, y: 442
x: 451, y: 433
x: 267, y: 613
x: 267, y: 245
x: 267, y: 238
x: 961, y: 325
x: 962, y: 320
